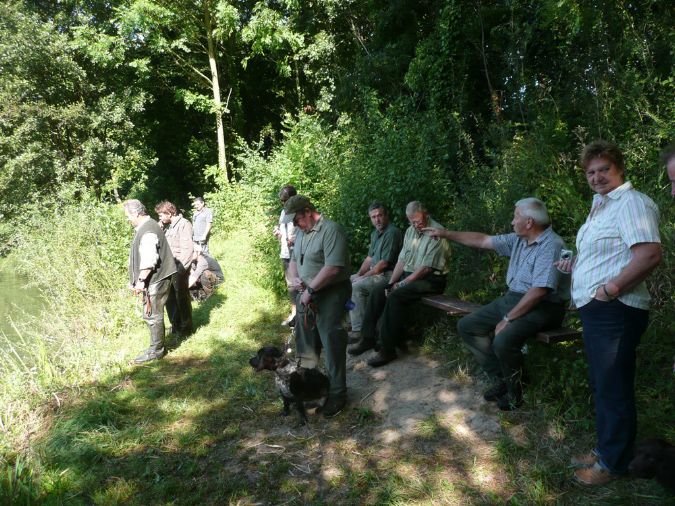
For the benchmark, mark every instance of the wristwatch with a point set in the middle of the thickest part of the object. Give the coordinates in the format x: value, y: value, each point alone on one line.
x: 310, y: 290
x: 507, y: 319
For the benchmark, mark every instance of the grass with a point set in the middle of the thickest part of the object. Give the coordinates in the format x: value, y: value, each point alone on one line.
x: 199, y: 427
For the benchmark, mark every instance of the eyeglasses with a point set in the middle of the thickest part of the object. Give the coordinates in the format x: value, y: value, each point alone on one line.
x: 416, y: 222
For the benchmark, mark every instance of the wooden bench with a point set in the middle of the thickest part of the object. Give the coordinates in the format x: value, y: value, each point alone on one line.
x: 458, y: 307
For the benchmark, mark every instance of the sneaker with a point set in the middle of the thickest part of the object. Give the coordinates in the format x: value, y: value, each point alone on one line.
x: 585, y: 459
x: 333, y: 406
x: 287, y: 322
x: 594, y: 475
x: 509, y: 402
x: 496, y: 391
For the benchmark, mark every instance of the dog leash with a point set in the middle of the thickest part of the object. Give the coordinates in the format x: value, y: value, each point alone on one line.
x: 312, y: 312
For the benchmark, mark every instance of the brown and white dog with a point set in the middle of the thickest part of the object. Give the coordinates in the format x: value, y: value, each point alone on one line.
x: 295, y: 383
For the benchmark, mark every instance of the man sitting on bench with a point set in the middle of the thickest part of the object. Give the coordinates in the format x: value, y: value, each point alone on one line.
x: 535, y: 300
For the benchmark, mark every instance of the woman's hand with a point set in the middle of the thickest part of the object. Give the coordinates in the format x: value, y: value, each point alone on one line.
x: 566, y: 266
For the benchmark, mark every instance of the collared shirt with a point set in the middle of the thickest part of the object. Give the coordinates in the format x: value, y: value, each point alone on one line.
x: 622, y: 218
x: 531, y: 265
x: 200, y: 219
x: 207, y: 262
x: 324, y: 244
x: 288, y: 231
x: 179, y: 236
x: 385, y: 245
x: 421, y: 250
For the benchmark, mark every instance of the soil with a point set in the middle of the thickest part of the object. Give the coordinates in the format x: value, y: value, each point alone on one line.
x: 412, y: 388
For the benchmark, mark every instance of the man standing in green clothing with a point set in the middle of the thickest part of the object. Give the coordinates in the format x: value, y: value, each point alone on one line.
x: 421, y: 271
x: 385, y: 245
x: 320, y: 270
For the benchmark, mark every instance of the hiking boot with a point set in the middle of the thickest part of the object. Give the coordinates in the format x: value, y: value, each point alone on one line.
x: 354, y: 337
x: 509, y: 402
x: 363, y: 346
x: 148, y: 356
x: 333, y: 406
x: 383, y: 357
x: 594, y: 475
x: 496, y: 391
x: 585, y: 459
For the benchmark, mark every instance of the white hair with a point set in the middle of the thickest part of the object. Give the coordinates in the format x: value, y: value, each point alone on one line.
x: 535, y: 209
x: 415, y: 207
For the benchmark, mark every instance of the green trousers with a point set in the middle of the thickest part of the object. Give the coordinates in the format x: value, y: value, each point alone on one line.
x: 501, y: 356
x: 391, y: 308
x: 323, y: 330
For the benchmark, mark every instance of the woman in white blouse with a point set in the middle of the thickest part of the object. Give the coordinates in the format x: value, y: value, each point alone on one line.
x: 617, y: 248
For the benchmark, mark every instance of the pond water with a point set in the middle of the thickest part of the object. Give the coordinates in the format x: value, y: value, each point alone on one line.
x: 15, y: 302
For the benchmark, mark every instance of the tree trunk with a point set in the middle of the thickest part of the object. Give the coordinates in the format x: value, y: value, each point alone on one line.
x: 222, y: 160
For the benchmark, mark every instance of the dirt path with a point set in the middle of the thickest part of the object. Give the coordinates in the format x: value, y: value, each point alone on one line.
x: 410, y: 389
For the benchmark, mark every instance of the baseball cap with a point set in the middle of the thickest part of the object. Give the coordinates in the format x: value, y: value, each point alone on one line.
x: 293, y: 205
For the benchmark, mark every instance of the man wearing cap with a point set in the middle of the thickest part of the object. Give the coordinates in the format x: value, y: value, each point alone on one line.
x: 320, y: 270
x: 151, y: 266
x: 385, y: 245
x: 421, y: 271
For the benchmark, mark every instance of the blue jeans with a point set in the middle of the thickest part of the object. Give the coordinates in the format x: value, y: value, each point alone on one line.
x: 612, y: 332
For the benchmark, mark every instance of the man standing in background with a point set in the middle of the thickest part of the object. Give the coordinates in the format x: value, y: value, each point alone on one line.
x: 151, y: 266
x: 178, y: 233
x: 202, y: 221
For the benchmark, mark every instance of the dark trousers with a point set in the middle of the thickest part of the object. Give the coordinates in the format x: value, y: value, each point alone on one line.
x: 327, y: 334
x: 612, y: 332
x: 153, y: 314
x: 391, y: 308
x: 178, y: 303
x: 501, y: 356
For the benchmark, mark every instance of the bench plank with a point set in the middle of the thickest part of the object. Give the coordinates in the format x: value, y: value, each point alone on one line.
x: 461, y: 307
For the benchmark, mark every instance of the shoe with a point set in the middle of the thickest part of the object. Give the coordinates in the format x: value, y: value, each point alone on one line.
x: 383, y: 357
x: 148, y: 356
x: 509, y: 402
x: 496, y: 391
x: 585, y: 459
x: 363, y: 346
x: 594, y: 475
x: 403, y: 346
x: 354, y: 337
x: 170, y: 330
x: 287, y: 322
x: 333, y: 406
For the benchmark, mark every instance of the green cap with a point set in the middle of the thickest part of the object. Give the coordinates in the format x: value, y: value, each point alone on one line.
x: 293, y: 205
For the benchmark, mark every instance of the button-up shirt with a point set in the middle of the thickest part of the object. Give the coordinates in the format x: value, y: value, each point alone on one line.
x: 622, y: 218
x: 324, y: 244
x: 421, y: 250
x: 385, y: 245
x: 531, y: 265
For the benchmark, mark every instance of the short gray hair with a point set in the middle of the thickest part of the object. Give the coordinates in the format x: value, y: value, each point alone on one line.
x: 135, y: 206
x: 415, y: 207
x: 377, y: 205
x: 668, y: 153
x: 535, y: 209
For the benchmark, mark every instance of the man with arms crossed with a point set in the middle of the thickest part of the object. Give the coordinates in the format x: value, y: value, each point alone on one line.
x: 385, y: 245
x: 320, y: 270
x: 535, y: 300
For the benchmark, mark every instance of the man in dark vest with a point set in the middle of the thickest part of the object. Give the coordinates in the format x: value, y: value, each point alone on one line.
x: 151, y: 266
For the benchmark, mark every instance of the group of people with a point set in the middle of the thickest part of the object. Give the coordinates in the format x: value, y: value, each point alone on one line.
x: 166, y: 261
x: 617, y: 248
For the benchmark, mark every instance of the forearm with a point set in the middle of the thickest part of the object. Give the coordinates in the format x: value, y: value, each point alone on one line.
x: 378, y: 268
x: 419, y: 273
x: 365, y: 267
x: 472, y: 239
x: 529, y: 301
x: 324, y: 277
x: 207, y: 231
x: 293, y: 269
x: 398, y: 272
x: 646, y: 256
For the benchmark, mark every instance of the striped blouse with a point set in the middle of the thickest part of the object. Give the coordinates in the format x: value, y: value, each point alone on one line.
x: 622, y: 218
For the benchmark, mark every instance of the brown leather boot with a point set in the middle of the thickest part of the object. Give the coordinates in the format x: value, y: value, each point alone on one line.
x: 383, y: 357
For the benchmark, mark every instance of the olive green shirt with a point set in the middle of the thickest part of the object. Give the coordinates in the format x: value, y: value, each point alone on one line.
x: 385, y: 245
x: 325, y: 244
x: 420, y: 249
